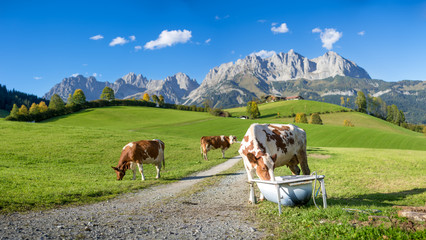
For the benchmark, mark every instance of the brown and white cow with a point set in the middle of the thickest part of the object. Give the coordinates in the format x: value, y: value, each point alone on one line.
x: 215, y: 142
x: 138, y: 153
x: 268, y: 146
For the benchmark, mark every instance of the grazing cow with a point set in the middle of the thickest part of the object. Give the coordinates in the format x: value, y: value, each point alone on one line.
x: 215, y: 142
x: 268, y: 146
x: 138, y: 153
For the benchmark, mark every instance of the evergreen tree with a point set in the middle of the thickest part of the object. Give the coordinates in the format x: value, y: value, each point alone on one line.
x: 107, y: 94
x: 146, y: 97
x: 361, y: 102
x: 56, y: 102
x: 78, y: 97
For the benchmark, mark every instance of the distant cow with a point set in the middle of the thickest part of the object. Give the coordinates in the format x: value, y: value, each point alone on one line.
x: 138, y: 153
x: 215, y: 142
x: 268, y: 146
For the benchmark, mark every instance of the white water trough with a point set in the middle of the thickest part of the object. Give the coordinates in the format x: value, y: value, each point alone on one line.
x: 295, y: 190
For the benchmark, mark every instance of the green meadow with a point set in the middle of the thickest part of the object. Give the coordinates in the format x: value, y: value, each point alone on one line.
x: 67, y: 160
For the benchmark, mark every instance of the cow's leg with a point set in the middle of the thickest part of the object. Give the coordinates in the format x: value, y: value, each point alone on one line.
x: 223, y: 153
x: 133, y: 167
x: 158, y: 167
x: 250, y: 174
x: 303, y: 161
x: 141, y: 171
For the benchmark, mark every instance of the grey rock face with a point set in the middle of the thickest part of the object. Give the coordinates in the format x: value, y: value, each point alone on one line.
x: 257, y: 75
x: 173, y: 88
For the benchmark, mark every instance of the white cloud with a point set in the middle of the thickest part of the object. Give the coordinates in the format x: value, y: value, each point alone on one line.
x: 85, y: 64
x: 75, y: 74
x: 233, y: 52
x: 169, y: 38
x: 118, y: 41
x: 95, y: 74
x: 220, y: 18
x: 280, y: 29
x: 38, y: 78
x: 261, y: 21
x: 328, y: 37
x: 264, y: 53
x: 208, y: 40
x: 362, y: 33
x: 316, y: 30
x: 132, y: 38
x: 138, y: 48
x: 97, y: 37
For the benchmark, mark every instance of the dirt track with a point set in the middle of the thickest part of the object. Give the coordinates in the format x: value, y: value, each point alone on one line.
x: 173, y: 211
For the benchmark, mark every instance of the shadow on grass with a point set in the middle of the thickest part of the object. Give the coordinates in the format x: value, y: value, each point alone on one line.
x: 377, y: 199
x: 316, y: 150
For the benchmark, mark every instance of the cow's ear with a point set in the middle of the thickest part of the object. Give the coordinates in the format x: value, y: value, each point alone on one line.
x: 252, y: 158
x: 274, y: 157
x: 115, y: 168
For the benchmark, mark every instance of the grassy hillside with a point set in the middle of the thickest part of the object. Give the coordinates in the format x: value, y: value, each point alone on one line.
x: 287, y: 108
x: 67, y: 159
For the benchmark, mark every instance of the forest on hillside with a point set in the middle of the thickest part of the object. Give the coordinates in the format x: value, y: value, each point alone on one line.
x: 10, y: 97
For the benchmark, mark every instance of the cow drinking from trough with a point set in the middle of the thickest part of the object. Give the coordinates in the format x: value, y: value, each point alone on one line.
x: 138, y: 153
x: 215, y: 142
x: 268, y: 146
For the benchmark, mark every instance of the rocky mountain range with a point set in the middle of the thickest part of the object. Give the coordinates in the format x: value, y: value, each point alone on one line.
x: 173, y: 88
x: 325, y: 78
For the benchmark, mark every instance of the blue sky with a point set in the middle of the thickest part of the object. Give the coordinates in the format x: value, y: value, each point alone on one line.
x: 42, y: 42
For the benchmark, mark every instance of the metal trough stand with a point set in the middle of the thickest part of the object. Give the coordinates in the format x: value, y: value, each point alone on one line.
x: 292, y: 182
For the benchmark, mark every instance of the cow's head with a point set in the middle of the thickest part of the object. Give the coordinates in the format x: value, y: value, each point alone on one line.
x: 232, y: 139
x: 120, y: 173
x: 264, y: 165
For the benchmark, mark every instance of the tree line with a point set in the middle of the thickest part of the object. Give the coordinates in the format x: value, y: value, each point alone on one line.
x: 10, y: 97
x: 77, y: 101
x: 375, y: 106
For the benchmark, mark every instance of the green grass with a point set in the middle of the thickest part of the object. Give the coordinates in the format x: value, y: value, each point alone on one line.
x: 287, y: 108
x: 361, y: 179
x: 67, y: 160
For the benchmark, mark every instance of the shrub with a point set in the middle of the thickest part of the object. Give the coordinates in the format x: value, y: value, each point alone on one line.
x: 300, y: 118
x: 315, y: 119
x: 348, y: 123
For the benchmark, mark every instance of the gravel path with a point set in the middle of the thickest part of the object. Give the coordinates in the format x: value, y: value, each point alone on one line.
x: 172, y: 211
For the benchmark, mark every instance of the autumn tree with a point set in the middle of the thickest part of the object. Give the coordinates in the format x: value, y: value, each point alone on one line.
x: 253, y: 110
x: 34, y: 109
x: 316, y: 119
x: 361, y: 102
x: 56, y: 102
x: 42, y: 107
x: 78, y: 97
x: 300, y: 118
x: 161, y: 100
x: 347, y: 123
x: 342, y: 101
x: 145, y: 97
x: 107, y: 94
x: 23, y: 110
